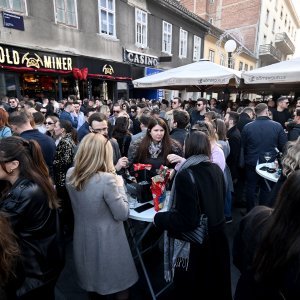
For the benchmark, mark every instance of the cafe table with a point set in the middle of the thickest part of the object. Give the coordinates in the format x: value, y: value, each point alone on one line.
x: 146, y: 216
x: 265, y: 174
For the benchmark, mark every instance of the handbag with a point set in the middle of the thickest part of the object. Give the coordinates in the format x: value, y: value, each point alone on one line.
x: 200, y: 233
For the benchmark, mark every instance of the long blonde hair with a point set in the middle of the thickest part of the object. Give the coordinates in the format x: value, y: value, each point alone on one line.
x: 95, y: 154
x: 291, y: 159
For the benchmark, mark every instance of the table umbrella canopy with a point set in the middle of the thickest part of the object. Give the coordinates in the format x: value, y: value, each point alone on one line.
x: 283, y: 72
x: 201, y: 73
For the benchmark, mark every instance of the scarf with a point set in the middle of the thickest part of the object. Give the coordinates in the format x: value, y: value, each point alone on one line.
x: 155, y: 149
x: 177, y: 252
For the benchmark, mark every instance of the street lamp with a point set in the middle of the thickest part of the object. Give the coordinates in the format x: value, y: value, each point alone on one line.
x: 230, y: 47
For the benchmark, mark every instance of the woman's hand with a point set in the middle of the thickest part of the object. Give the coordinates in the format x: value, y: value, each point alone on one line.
x: 174, y: 158
x: 122, y: 163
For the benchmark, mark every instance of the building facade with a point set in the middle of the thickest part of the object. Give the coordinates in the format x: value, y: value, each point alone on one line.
x: 268, y: 27
x: 93, y: 48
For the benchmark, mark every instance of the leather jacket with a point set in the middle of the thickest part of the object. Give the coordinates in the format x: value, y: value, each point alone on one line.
x: 35, y: 226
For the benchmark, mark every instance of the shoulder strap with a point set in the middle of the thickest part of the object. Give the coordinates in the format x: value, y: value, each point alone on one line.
x: 195, y: 187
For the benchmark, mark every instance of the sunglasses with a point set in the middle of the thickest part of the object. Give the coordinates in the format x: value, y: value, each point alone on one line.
x: 48, y: 123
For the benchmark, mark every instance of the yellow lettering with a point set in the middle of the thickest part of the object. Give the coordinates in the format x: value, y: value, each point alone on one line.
x: 64, y: 63
x: 58, y: 63
x: 47, y: 62
x: 16, y: 57
x: 69, y: 62
x: 2, y: 56
x: 8, y: 60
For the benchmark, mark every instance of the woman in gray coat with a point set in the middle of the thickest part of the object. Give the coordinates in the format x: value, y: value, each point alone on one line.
x: 101, y: 251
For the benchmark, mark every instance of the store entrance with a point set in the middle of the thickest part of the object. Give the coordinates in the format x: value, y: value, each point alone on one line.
x: 32, y: 85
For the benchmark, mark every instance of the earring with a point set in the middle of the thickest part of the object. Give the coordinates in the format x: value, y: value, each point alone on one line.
x: 11, y: 171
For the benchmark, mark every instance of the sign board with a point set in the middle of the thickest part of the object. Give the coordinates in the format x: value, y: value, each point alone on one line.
x: 139, y: 58
x: 13, y: 21
x: 154, y: 94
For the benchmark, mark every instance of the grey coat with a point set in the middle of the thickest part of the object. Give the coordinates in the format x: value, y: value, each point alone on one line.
x: 102, y: 254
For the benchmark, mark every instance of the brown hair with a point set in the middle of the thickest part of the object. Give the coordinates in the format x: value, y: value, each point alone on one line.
x: 143, y: 151
x: 9, y: 250
x: 31, y: 164
x: 196, y: 143
x: 3, y: 118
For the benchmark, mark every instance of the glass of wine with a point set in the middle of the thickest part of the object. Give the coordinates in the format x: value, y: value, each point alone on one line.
x: 267, y: 157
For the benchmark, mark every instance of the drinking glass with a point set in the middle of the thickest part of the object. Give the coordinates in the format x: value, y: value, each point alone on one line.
x: 267, y: 157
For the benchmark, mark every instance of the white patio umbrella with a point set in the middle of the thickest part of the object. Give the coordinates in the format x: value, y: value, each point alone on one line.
x: 284, y: 72
x: 198, y: 74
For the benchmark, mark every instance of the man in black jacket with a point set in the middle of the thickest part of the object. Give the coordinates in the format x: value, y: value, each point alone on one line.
x: 181, y: 120
x: 246, y: 117
x: 260, y: 136
x: 294, y: 126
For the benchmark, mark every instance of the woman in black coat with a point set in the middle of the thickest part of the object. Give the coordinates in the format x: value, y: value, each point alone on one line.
x: 30, y: 202
x: 201, y: 271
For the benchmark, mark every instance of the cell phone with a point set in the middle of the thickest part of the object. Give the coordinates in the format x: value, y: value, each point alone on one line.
x: 143, y: 207
x: 264, y: 168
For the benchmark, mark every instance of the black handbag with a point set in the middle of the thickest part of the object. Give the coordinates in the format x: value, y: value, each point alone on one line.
x: 200, y: 233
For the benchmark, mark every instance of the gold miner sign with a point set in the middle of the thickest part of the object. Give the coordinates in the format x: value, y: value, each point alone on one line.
x: 31, y: 59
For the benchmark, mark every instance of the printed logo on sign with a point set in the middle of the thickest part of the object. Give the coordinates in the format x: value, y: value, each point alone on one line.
x: 32, y: 61
x: 108, y: 69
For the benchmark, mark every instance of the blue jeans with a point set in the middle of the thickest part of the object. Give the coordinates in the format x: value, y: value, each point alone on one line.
x: 228, y: 204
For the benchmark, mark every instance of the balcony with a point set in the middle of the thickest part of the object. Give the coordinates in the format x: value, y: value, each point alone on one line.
x: 268, y: 54
x: 284, y: 44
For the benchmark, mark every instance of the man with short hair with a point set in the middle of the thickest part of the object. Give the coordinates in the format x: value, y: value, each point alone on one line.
x: 67, y: 114
x: 201, y: 109
x: 258, y: 137
x: 84, y: 129
x: 176, y: 104
x: 13, y: 104
x: 144, y: 122
x: 20, y: 124
x: 78, y: 114
x: 281, y: 114
x: 98, y: 124
x: 181, y: 120
x: 294, y: 126
x: 246, y: 117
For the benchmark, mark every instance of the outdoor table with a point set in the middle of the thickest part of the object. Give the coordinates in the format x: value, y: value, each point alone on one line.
x: 145, y: 216
x: 266, y: 175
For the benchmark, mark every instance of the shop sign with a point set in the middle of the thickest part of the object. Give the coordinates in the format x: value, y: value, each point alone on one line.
x: 13, y: 21
x: 108, y: 70
x: 32, y: 59
x: 140, y: 58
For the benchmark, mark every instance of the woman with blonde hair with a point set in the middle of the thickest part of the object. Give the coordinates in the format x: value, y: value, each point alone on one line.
x: 100, y: 206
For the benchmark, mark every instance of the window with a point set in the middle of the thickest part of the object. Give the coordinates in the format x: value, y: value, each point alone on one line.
x: 197, y: 48
x: 265, y: 40
x: 241, y: 66
x: 246, y: 67
x: 273, y: 26
x: 14, y: 5
x: 107, y: 17
x: 183, y: 36
x: 167, y: 37
x: 222, y: 60
x: 276, y: 5
x: 211, y: 1
x: 267, y: 17
x: 285, y: 21
x: 281, y: 12
x: 65, y: 12
x: 211, y: 55
x: 141, y: 27
x: 211, y: 21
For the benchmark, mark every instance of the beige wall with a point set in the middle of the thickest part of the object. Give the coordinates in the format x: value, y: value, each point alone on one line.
x: 210, y: 44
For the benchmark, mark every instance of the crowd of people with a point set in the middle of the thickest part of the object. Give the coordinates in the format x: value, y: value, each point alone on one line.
x: 63, y: 169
